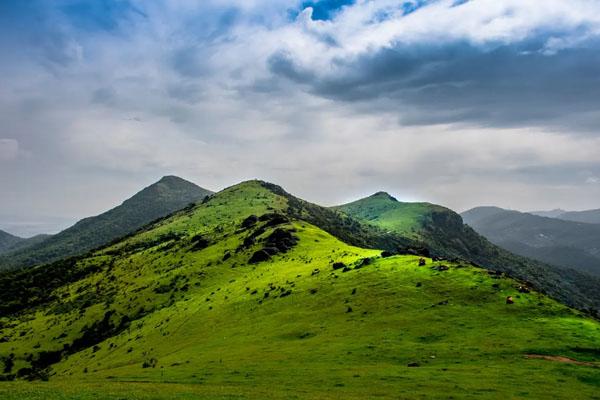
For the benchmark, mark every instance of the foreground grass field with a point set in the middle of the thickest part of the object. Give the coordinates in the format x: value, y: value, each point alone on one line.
x: 320, y: 320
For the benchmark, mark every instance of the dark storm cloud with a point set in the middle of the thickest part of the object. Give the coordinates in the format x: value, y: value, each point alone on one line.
x: 507, y: 86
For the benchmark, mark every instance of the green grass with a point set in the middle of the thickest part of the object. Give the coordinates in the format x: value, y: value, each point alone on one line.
x: 211, y: 331
x: 386, y: 212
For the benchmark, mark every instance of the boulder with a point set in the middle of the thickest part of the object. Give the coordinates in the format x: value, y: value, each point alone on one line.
x: 281, y: 239
x: 273, y: 219
x: 199, y: 243
x: 249, y: 221
x: 259, y: 256
x: 338, y: 265
x: 363, y: 263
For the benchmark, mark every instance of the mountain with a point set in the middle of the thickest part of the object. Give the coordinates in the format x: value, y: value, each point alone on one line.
x: 251, y: 294
x: 558, y: 242
x: 7, y: 241
x: 589, y: 216
x: 557, y: 212
x: 385, y: 211
x: 443, y: 233
x: 156, y: 201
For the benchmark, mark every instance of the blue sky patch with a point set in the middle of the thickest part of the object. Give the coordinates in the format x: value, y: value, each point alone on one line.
x: 324, y: 10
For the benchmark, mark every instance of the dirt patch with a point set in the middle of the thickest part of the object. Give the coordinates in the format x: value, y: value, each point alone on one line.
x: 562, y: 359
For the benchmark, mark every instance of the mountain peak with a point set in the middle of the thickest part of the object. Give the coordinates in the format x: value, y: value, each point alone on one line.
x: 383, y: 195
x: 173, y: 180
x: 254, y: 183
x: 158, y: 200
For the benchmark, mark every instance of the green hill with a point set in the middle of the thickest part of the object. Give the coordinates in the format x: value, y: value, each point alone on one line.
x: 10, y: 243
x: 385, y: 211
x: 555, y: 241
x: 443, y: 232
x: 156, y: 201
x: 7, y: 241
x: 250, y: 295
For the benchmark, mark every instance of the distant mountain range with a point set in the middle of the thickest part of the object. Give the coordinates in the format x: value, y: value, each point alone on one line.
x: 550, y: 214
x: 555, y: 241
x: 587, y: 216
x: 156, y: 201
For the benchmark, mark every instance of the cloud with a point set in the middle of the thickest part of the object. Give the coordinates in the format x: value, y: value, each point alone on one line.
x: 462, y: 103
x: 493, y: 63
x: 592, y: 180
x: 9, y: 149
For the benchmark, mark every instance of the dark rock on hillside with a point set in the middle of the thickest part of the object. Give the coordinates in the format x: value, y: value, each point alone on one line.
x: 273, y: 219
x: 338, y: 265
x: 363, y: 263
x: 281, y: 239
x: 199, y: 243
x: 259, y: 256
x: 249, y: 221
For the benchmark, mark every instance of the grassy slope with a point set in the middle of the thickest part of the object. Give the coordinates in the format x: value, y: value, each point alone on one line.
x: 385, y: 211
x: 211, y: 335
x: 443, y: 231
x: 156, y: 201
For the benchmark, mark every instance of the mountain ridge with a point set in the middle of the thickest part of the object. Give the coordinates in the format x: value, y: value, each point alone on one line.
x: 563, y: 243
x: 587, y: 216
x: 155, y: 201
x: 8, y: 240
x: 443, y: 232
x: 186, y: 301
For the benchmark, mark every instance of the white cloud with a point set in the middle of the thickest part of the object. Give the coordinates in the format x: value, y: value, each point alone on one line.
x: 592, y: 180
x: 9, y: 149
x: 123, y: 111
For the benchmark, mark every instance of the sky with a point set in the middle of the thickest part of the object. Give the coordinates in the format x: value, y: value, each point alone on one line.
x: 460, y: 103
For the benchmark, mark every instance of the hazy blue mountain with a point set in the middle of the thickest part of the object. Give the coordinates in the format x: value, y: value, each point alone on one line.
x: 550, y: 214
x: 555, y: 241
x: 588, y: 216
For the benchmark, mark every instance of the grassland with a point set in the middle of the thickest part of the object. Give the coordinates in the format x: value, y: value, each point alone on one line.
x: 178, y: 312
x: 385, y: 211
